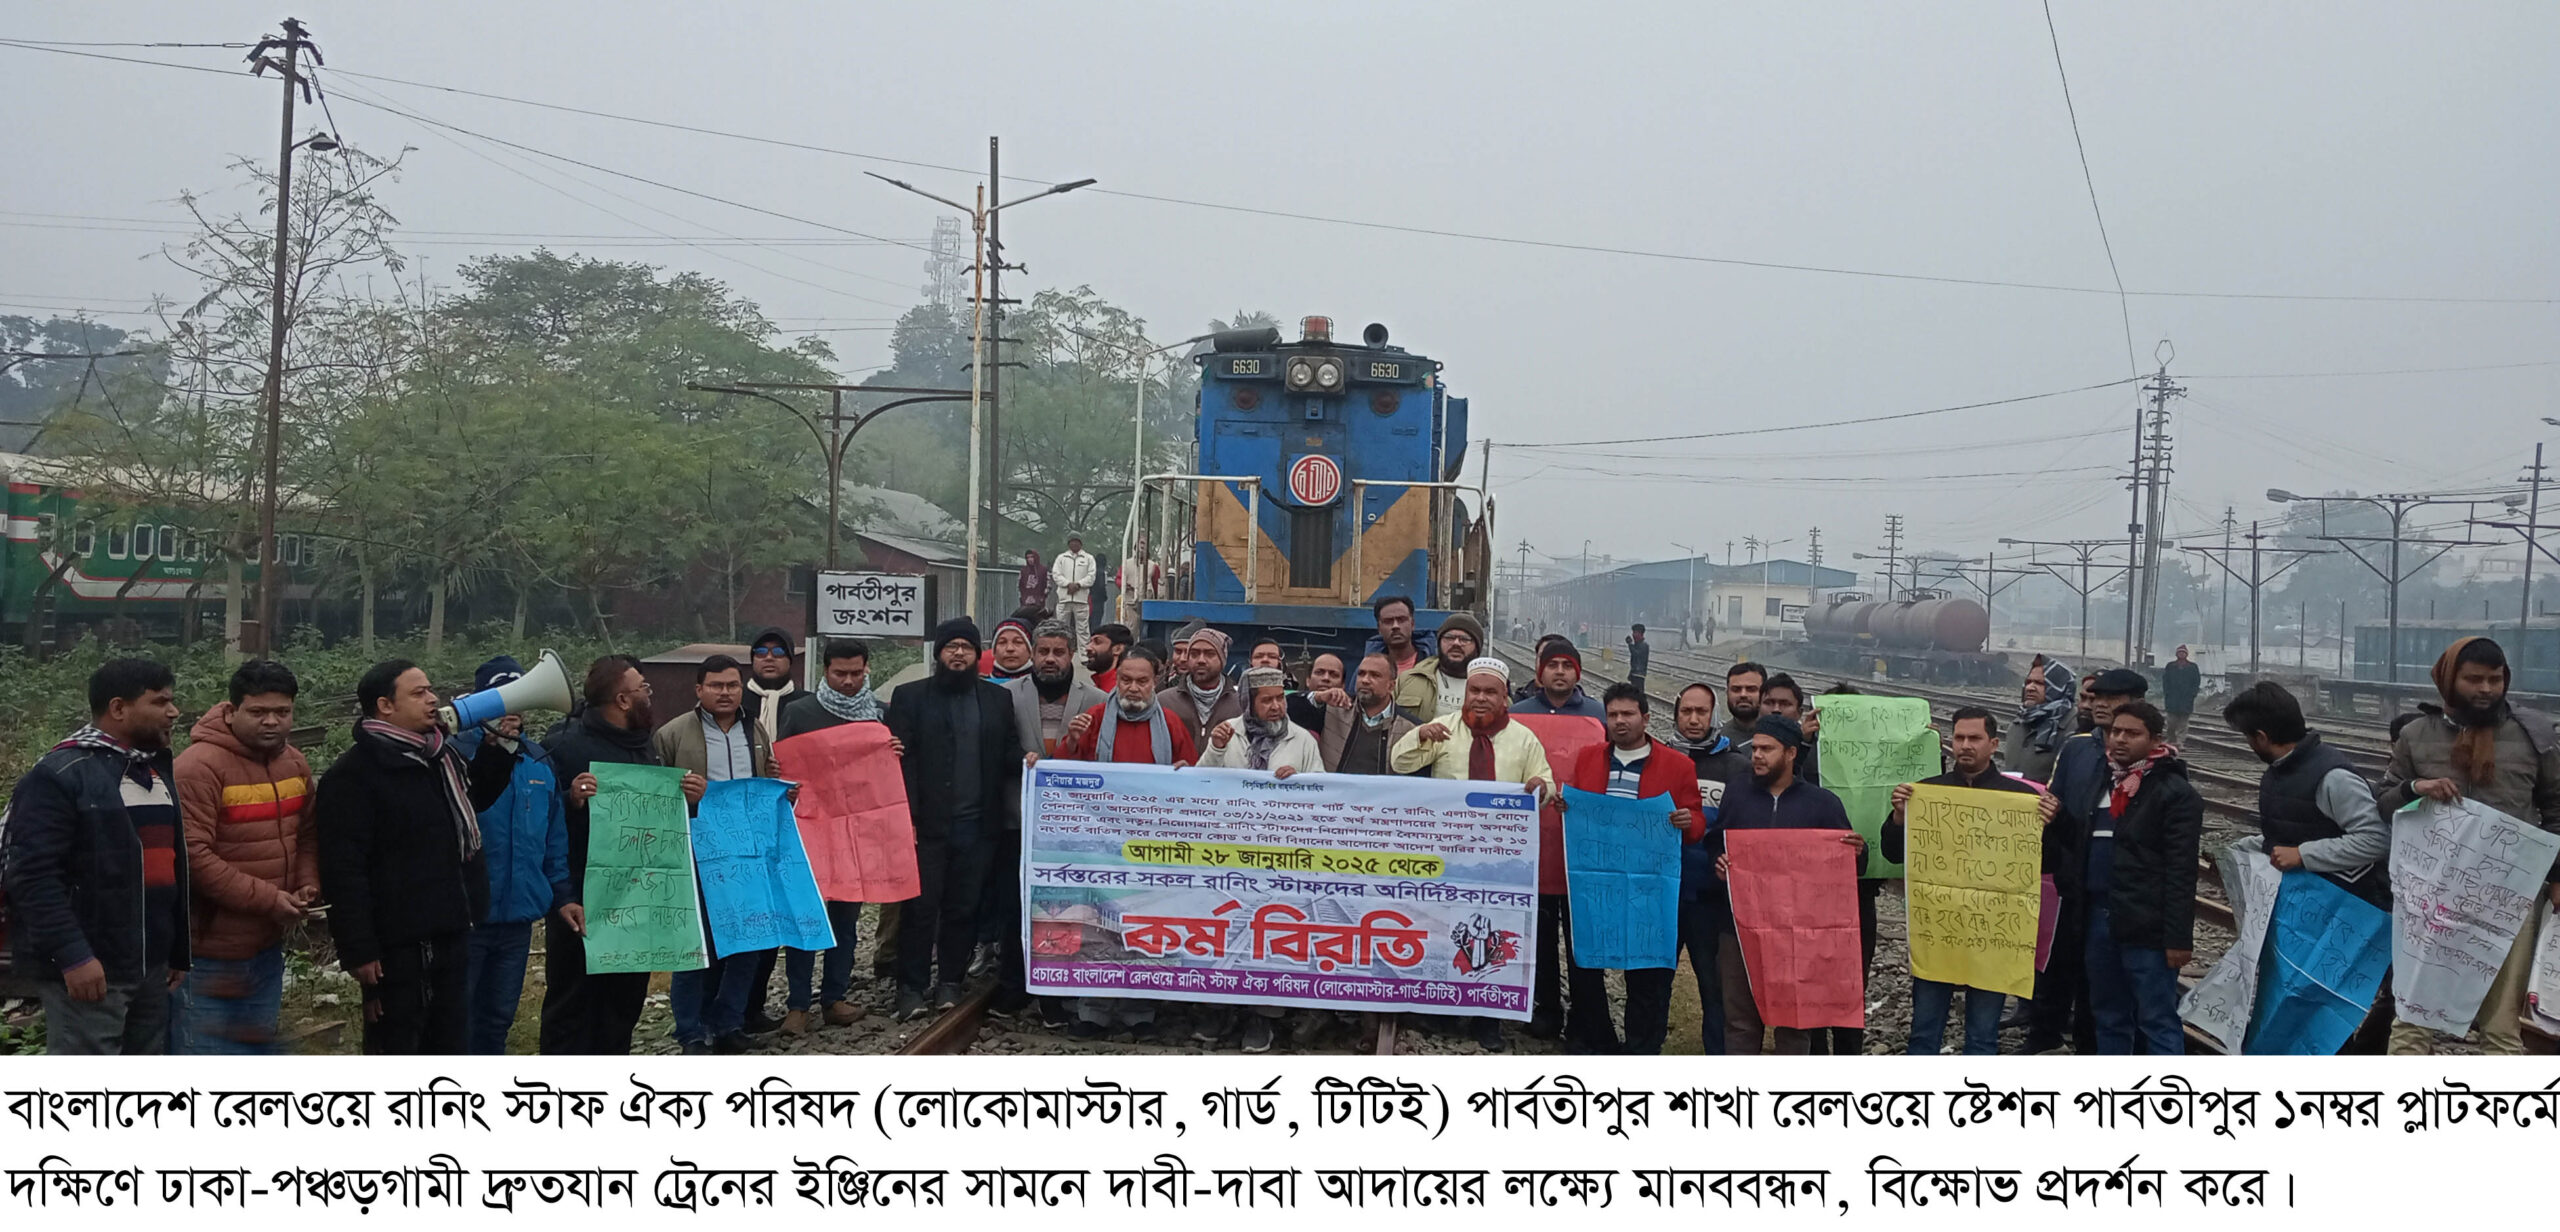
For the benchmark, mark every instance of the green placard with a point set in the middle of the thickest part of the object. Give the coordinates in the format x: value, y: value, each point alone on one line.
x: 1870, y: 745
x: 643, y: 913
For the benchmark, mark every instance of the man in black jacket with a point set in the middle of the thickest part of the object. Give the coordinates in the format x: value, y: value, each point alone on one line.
x: 96, y: 868
x: 1973, y: 736
x: 1705, y: 913
x: 401, y: 862
x: 963, y: 765
x: 2140, y: 879
x: 582, y: 1014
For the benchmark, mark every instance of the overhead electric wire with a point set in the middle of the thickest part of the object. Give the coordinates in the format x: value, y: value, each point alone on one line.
x: 1371, y: 224
x: 2124, y: 308
x: 1830, y: 423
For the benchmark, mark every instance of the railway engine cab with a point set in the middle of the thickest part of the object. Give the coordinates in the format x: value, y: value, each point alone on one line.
x: 1325, y: 475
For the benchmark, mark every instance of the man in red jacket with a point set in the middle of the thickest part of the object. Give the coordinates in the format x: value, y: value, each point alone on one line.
x: 253, y: 860
x: 1632, y: 765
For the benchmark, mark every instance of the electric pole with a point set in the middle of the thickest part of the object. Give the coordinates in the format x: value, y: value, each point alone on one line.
x: 1813, y: 546
x: 2222, y: 617
x: 292, y: 43
x: 1891, y: 548
x: 2258, y: 576
x: 2082, y: 548
x: 2154, y: 469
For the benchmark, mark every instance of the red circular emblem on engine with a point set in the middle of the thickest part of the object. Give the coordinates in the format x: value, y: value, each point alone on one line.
x: 1315, y: 480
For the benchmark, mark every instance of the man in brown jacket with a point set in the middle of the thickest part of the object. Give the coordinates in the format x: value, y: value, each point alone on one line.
x: 253, y: 862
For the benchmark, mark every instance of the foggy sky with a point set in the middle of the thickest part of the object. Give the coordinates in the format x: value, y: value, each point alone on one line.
x: 2305, y: 150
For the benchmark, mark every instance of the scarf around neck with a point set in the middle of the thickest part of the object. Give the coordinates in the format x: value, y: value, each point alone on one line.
x: 137, y: 762
x: 1207, y: 699
x: 431, y: 750
x: 2127, y: 780
x: 1260, y: 739
x: 856, y: 707
x: 1159, y: 734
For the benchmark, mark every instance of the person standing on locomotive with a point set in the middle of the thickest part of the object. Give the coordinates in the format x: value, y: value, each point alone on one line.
x: 1437, y: 683
x: 1072, y: 575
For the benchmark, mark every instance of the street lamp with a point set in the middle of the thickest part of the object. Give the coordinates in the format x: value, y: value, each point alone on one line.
x: 836, y: 438
x: 978, y: 215
x: 1138, y: 460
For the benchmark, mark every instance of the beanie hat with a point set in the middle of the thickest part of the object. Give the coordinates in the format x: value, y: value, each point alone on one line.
x: 1780, y: 728
x: 956, y: 629
x: 1466, y: 624
x: 496, y: 672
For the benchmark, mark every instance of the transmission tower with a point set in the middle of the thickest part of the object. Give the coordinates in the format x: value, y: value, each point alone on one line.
x: 946, y: 268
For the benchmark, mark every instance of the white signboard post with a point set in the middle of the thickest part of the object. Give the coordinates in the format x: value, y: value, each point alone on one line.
x: 873, y: 605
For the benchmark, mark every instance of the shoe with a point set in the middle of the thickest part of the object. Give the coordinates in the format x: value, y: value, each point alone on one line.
x: 1546, y: 1024
x: 911, y: 1006
x: 1211, y: 1030
x: 1080, y: 1029
x: 845, y: 1014
x: 796, y: 1023
x: 1054, y: 1014
x: 697, y: 1048
x: 1489, y: 1035
x: 1008, y: 1004
x: 733, y: 1044
x: 761, y: 1023
x: 984, y: 960
x: 1257, y: 1034
x: 1143, y: 1032
x: 947, y: 997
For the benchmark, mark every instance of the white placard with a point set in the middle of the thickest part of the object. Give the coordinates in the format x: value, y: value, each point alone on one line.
x: 2464, y: 878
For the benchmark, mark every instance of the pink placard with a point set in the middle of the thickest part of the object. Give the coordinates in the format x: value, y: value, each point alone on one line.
x: 1795, y: 908
x: 852, y: 812
x: 1564, y: 736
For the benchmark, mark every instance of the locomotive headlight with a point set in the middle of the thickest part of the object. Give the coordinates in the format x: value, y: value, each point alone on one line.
x: 1329, y: 375
x: 1301, y: 374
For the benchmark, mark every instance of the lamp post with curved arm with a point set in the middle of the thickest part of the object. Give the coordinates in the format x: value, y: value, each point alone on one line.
x: 836, y: 436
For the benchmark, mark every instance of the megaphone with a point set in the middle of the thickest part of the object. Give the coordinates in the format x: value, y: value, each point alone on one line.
x: 546, y: 687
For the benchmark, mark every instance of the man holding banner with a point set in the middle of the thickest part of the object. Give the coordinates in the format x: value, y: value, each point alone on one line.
x: 1631, y: 765
x: 717, y: 741
x: 1130, y: 729
x: 1705, y: 913
x: 1973, y: 736
x: 1777, y: 800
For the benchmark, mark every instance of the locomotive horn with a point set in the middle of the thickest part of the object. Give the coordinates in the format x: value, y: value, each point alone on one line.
x: 546, y: 687
x: 1375, y: 335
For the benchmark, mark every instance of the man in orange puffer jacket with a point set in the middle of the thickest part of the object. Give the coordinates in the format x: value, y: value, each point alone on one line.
x: 253, y: 862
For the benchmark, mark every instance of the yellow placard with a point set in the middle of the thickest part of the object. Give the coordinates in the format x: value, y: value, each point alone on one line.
x: 1283, y: 859
x: 1972, y: 865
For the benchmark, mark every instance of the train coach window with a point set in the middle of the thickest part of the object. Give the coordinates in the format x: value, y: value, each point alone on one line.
x: 118, y: 538
x: 84, y: 541
x: 168, y: 543
x: 1311, y: 548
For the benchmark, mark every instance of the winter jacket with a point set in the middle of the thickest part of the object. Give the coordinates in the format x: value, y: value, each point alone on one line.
x: 525, y: 836
x: 2151, y: 899
x: 1667, y: 772
x: 1081, y: 696
x: 2179, y: 684
x: 71, y: 865
x: 251, y: 840
x: 1184, y: 709
x: 919, y: 718
x: 1518, y: 755
x: 680, y: 742
x: 577, y: 746
x: 2058, y: 849
x: 2313, y: 800
x: 1581, y: 703
x: 1295, y: 749
x: 391, y: 865
x: 2525, y: 786
x: 1721, y: 768
x: 1417, y: 689
x: 1425, y: 645
x: 1340, y: 721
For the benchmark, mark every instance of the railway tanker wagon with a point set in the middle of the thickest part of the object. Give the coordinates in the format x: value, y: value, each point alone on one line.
x: 1921, y: 636
x: 1325, y: 477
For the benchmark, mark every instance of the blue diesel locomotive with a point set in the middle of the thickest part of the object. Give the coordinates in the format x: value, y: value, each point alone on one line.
x: 1325, y: 475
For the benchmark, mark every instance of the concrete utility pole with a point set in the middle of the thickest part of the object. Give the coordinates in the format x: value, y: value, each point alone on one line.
x: 1891, y: 548
x: 2082, y: 548
x: 1813, y: 546
x: 292, y: 43
x: 2152, y: 464
x: 2258, y: 576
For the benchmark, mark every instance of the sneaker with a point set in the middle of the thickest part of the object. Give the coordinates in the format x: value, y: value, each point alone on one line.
x: 845, y: 1014
x: 796, y: 1023
x: 947, y: 997
x: 696, y: 1048
x: 984, y: 960
x: 732, y: 1044
x: 1080, y: 1029
x: 1212, y: 1028
x: 1257, y: 1034
x: 1489, y: 1035
x: 911, y: 1006
x: 1008, y: 1004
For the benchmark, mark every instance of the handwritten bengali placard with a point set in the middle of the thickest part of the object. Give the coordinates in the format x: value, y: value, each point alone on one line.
x: 2464, y: 878
x: 1973, y: 865
x: 1368, y: 893
x: 1622, y: 872
x: 756, y: 882
x: 1871, y: 745
x: 643, y: 912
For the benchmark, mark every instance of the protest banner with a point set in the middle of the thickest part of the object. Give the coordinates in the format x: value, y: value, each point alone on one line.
x: 2542, y: 990
x: 2223, y: 1003
x: 1622, y: 874
x: 758, y: 892
x: 2327, y: 951
x: 1871, y: 745
x: 643, y: 913
x: 852, y: 812
x: 1330, y: 891
x: 2464, y: 878
x: 1563, y: 736
x: 1973, y: 867
x: 1795, y: 910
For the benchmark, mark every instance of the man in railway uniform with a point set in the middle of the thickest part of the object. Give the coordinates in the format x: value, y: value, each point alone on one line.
x: 2081, y: 777
x: 253, y: 862
x: 1775, y: 800
x: 95, y: 869
x: 2139, y: 876
x: 1631, y: 765
x: 1073, y: 574
x: 1742, y: 683
x: 1495, y: 750
x: 1720, y: 766
x: 1437, y: 683
x: 1972, y: 735
x: 1559, y: 684
x: 1202, y: 697
x: 1132, y: 728
x: 2479, y: 746
x: 963, y: 765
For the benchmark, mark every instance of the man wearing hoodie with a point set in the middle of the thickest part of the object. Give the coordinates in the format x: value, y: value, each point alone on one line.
x: 843, y: 695
x: 963, y: 766
x: 526, y: 835
x: 253, y: 862
x: 583, y: 1014
x: 403, y: 863
x: 2479, y: 746
x: 1202, y: 697
x: 1705, y: 912
x: 1436, y: 684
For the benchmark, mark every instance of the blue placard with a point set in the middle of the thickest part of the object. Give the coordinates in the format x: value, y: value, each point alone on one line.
x: 2327, y: 953
x: 1622, y: 876
x: 757, y: 888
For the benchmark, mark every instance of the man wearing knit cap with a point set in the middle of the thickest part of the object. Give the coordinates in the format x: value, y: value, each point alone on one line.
x: 963, y: 767
x: 2481, y: 747
x: 1009, y: 658
x: 1203, y: 697
x: 1559, y: 686
x: 1436, y: 684
x: 1775, y: 800
x: 526, y: 833
x: 1482, y: 744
